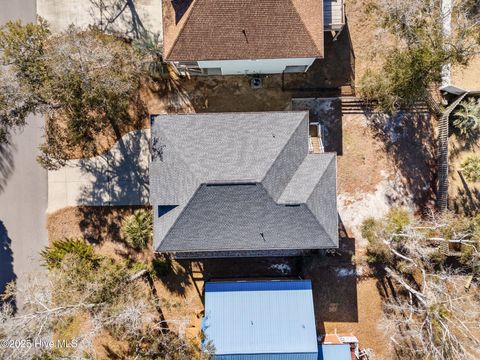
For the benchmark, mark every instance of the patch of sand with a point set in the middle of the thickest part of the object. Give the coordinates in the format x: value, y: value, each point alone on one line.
x: 366, y: 329
x: 467, y: 78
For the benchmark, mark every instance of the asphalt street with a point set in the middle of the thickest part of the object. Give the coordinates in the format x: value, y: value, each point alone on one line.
x: 23, y: 184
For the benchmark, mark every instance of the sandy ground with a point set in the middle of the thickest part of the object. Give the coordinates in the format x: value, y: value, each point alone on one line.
x: 374, y: 171
x: 467, y: 78
x: 370, y: 312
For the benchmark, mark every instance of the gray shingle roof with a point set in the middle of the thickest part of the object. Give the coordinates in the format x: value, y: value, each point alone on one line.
x: 227, y: 181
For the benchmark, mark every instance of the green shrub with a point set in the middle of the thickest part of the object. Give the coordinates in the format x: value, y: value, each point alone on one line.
x: 138, y: 228
x: 54, y: 254
x: 471, y: 168
x: 369, y: 229
x: 467, y: 117
x: 404, y: 78
x: 378, y: 252
x: 397, y: 220
x: 374, y: 231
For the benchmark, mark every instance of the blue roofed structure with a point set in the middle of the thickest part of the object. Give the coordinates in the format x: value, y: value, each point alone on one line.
x: 261, y: 320
x: 334, y: 352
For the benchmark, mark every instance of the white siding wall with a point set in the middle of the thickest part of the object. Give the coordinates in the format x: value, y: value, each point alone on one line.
x: 263, y: 66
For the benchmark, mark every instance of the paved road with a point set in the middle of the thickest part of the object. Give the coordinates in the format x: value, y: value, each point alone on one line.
x: 23, y: 184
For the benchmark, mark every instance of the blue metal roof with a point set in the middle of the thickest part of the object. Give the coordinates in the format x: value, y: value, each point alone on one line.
x: 272, y: 318
x: 334, y: 352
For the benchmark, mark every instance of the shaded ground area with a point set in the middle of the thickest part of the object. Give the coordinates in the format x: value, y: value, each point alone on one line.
x: 409, y: 141
x: 327, y: 112
x: 464, y: 195
x: 94, y: 223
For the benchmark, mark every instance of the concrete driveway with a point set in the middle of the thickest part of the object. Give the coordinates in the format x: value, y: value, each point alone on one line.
x: 23, y: 184
x: 118, y: 177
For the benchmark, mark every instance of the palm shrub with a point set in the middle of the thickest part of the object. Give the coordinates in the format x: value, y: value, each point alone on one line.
x: 54, y: 254
x: 467, y: 118
x: 138, y: 228
x: 150, y: 48
x: 471, y: 168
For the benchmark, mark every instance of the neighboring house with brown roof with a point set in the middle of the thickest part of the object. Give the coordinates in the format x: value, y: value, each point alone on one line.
x: 231, y: 37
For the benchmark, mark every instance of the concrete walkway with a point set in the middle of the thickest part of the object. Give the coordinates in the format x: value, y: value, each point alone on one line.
x: 118, y: 177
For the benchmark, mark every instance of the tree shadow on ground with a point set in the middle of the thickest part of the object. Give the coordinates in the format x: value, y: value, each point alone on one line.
x: 176, y: 276
x: 117, y: 178
x: 460, y: 143
x: 409, y: 141
x: 118, y: 16
x: 98, y: 223
x: 7, y: 165
x: 467, y: 199
x: 7, y: 273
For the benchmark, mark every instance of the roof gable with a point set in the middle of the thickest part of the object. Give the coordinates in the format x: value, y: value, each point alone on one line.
x: 242, y: 29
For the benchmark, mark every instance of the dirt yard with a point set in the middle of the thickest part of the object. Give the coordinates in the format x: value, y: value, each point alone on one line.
x: 464, y: 196
x: 467, y: 77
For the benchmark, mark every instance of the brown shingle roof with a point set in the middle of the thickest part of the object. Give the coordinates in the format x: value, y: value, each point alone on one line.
x: 242, y: 29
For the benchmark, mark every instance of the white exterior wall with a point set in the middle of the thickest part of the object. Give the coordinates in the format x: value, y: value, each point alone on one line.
x: 262, y: 66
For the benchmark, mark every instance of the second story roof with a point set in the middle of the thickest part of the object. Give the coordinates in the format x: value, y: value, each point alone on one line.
x: 242, y: 29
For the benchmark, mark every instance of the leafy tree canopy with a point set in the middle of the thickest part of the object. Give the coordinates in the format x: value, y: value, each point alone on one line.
x: 83, y: 81
x: 415, y: 65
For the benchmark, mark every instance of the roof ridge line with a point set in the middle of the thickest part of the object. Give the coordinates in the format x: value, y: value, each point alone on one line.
x: 187, y: 16
x: 321, y: 225
x: 320, y: 178
x: 334, y: 158
x: 306, y: 114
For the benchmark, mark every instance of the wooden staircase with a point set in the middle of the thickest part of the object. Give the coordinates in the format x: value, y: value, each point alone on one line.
x: 355, y: 105
x: 315, y: 145
x: 442, y: 155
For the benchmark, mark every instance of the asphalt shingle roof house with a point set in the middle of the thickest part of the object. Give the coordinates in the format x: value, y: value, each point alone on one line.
x: 240, y: 184
x: 227, y: 37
